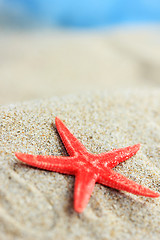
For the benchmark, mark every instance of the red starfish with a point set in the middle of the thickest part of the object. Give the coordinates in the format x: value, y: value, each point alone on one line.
x: 88, y: 168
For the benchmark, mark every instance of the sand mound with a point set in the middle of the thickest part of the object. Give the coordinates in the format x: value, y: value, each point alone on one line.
x: 38, y: 204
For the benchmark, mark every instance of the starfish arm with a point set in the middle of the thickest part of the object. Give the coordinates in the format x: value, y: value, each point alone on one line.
x: 113, y: 158
x: 115, y: 180
x: 51, y: 163
x: 71, y: 143
x: 84, y: 185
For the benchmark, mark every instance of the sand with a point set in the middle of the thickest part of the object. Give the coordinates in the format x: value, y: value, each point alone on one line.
x: 58, y: 69
x: 38, y: 204
x: 48, y: 63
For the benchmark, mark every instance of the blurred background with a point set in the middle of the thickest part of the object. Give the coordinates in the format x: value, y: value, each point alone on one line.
x: 56, y: 47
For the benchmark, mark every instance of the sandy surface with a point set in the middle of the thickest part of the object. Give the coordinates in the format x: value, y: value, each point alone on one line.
x: 44, y: 64
x: 47, y: 66
x: 37, y: 204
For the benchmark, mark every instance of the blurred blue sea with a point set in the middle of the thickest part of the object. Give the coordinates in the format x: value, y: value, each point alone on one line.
x: 79, y: 14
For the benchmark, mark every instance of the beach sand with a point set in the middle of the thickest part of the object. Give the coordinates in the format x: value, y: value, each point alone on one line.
x: 48, y: 63
x: 38, y: 204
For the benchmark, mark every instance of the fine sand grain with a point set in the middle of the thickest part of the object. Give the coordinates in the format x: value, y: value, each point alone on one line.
x: 38, y: 204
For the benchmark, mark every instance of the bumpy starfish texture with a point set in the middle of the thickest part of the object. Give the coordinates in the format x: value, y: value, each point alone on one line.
x: 88, y: 168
